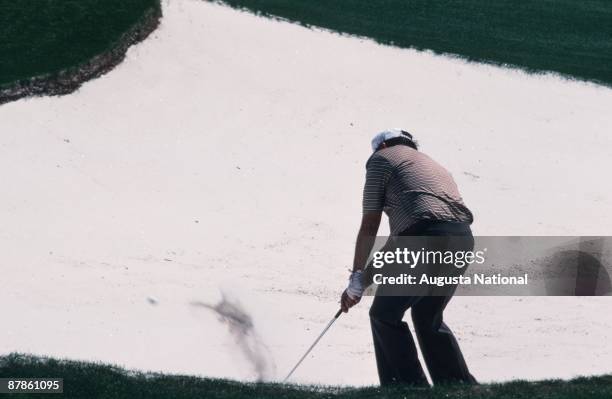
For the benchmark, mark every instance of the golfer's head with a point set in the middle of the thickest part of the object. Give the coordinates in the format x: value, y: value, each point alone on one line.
x: 391, y: 137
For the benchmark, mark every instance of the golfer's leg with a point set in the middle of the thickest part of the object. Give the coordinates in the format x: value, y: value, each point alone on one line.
x: 440, y: 349
x: 396, y: 353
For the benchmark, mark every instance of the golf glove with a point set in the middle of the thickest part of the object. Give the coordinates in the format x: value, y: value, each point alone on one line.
x: 355, y: 288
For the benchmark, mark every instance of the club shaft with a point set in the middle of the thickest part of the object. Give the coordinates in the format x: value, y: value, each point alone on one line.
x: 314, y: 344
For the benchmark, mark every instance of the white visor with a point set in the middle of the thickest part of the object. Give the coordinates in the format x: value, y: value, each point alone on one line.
x: 388, y: 135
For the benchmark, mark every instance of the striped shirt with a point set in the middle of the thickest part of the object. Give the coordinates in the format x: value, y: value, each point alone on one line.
x: 409, y: 186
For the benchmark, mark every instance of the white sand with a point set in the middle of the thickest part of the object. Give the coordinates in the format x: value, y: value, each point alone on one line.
x: 259, y: 130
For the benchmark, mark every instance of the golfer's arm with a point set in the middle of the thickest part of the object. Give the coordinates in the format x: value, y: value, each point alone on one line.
x: 370, y: 222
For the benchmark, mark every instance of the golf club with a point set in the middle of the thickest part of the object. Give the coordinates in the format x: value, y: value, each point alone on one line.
x: 313, y: 344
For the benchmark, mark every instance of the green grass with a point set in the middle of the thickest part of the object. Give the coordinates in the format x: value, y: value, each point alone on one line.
x: 45, y: 37
x: 91, y: 381
x: 570, y: 37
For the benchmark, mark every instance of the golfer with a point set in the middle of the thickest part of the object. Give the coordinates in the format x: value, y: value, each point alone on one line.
x: 420, y: 198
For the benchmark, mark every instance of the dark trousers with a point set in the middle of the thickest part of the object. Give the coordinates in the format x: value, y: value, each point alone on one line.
x: 396, y: 353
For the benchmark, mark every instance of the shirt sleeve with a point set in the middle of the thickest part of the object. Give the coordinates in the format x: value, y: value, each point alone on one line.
x: 378, y: 172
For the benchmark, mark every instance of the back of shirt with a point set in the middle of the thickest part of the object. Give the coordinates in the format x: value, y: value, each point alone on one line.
x: 410, y: 186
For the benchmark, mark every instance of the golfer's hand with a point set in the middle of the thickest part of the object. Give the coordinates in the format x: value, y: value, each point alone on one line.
x: 346, y: 302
